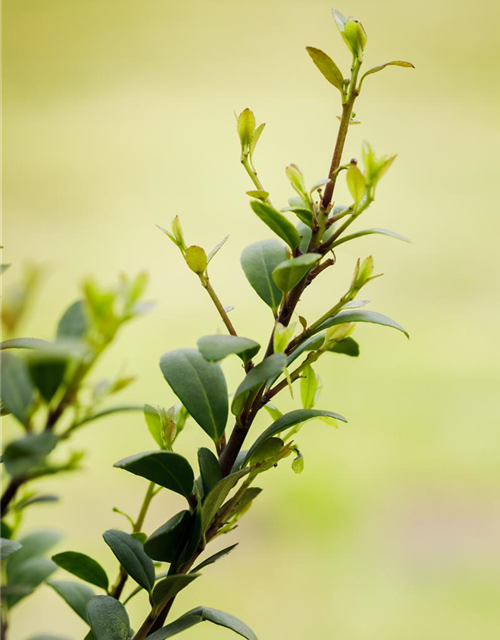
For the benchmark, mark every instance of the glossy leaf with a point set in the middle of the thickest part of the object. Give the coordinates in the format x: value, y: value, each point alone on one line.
x: 74, y: 323
x: 200, y: 386
x: 171, y: 586
x: 16, y: 388
x: 327, y: 67
x: 281, y: 226
x: 214, y: 558
x: 108, y: 618
x: 348, y: 347
x: 259, y: 261
x: 290, y: 272
x: 271, y: 366
x: 168, y: 469
x: 218, y: 347
x: 290, y: 420
x: 24, y: 454
x: 75, y: 594
x: 83, y: 567
x: 131, y: 555
x: 7, y: 547
x: 210, y: 469
x: 167, y: 542
x: 215, y: 499
x: 367, y: 232
x: 362, y: 316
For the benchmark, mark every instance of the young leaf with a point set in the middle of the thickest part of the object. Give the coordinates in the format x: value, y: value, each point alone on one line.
x: 210, y: 469
x: 214, y: 500
x: 270, y: 367
x: 218, y: 347
x: 327, y: 67
x: 362, y: 316
x: 393, y: 63
x: 168, y: 469
x: 273, y: 411
x: 154, y: 422
x: 214, y: 558
x: 16, y: 388
x: 290, y: 272
x: 200, y: 386
x: 259, y: 194
x: 196, y: 259
x: 108, y: 618
x: 308, y: 387
x: 281, y: 226
x: 8, y: 546
x: 216, y: 249
x: 367, y: 232
x: 356, y: 183
x: 75, y: 594
x: 259, y: 261
x: 170, y: 587
x: 167, y: 542
x: 289, y: 420
x: 83, y: 567
x: 131, y: 555
x: 245, y: 125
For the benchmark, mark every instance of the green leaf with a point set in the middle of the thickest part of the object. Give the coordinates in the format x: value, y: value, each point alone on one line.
x: 327, y: 67
x: 393, y: 63
x: 154, y: 422
x: 290, y: 272
x: 210, y: 469
x: 47, y: 372
x: 214, y: 500
x: 167, y: 542
x: 16, y: 388
x: 216, y: 249
x: 289, y: 420
x: 362, y: 316
x: 4, y: 267
x: 200, y: 386
x: 34, y: 544
x: 367, y: 232
x: 24, y: 454
x: 348, y: 347
x: 271, y: 366
x: 131, y: 555
x: 25, y: 343
x: 259, y: 194
x: 83, y: 567
x: 196, y: 259
x: 108, y: 618
x: 168, y: 469
x: 75, y: 594
x: 30, y: 573
x: 74, y: 323
x: 273, y: 411
x: 214, y: 558
x: 218, y: 347
x: 303, y: 214
x: 171, y: 586
x: 267, y: 450
x: 281, y: 226
x: 258, y: 262
x: 308, y: 387
x: 356, y: 183
x: 202, y: 614
x: 8, y: 546
x: 245, y: 125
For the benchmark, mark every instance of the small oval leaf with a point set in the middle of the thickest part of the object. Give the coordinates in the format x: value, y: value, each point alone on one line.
x: 258, y: 262
x: 108, y: 618
x: 281, y: 226
x: 83, y: 567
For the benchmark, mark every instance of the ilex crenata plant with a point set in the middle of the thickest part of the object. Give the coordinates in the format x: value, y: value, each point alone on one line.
x: 224, y: 485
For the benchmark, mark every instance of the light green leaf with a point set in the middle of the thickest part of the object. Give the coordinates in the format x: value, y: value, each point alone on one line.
x: 16, y: 389
x: 200, y: 386
x: 131, y: 555
x: 154, y: 422
x: 167, y: 542
x: 327, y: 67
x: 74, y: 323
x: 218, y: 347
x: 393, y: 63
x: 168, y: 469
x: 308, y: 387
x: 214, y: 558
x: 214, y: 500
x: 356, y: 183
x: 273, y: 411
x: 75, y: 594
x: 271, y: 366
x: 281, y: 226
x: 171, y: 586
x: 108, y: 618
x: 367, y: 232
x: 196, y: 259
x: 290, y: 272
x: 289, y: 420
x: 216, y: 249
x: 362, y: 316
x: 259, y: 261
x: 210, y: 470
x: 245, y: 125
x: 8, y: 546
x: 83, y: 567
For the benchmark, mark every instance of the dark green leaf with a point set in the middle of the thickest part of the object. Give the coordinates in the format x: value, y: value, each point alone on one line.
x: 214, y: 500
x: 303, y: 214
x: 170, y: 587
x: 327, y: 67
x: 108, y: 618
x: 31, y: 573
x: 83, y: 567
x: 75, y: 594
x: 362, y: 316
x: 259, y: 261
x: 8, y: 546
x: 200, y: 386
x: 24, y: 454
x: 25, y: 343
x: 210, y: 469
x: 290, y: 272
x: 16, y: 388
x: 168, y: 469
x: 131, y: 555
x: 276, y: 221
x: 193, y: 537
x: 47, y: 372
x: 214, y: 558
x: 271, y: 366
x: 289, y: 420
x: 367, y: 232
x: 218, y: 347
x: 348, y: 347
x: 34, y: 544
x: 74, y: 323
x: 167, y: 542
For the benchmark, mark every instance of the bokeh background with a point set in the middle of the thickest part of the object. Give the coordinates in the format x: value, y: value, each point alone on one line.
x: 119, y: 115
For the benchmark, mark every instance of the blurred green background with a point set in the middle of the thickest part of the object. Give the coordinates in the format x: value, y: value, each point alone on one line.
x: 119, y: 115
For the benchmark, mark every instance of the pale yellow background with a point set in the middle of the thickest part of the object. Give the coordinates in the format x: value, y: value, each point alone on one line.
x: 119, y: 115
